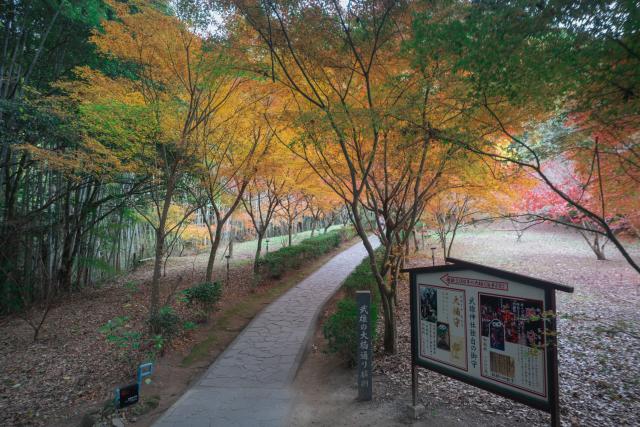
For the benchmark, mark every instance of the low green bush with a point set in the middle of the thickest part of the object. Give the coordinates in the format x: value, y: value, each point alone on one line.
x: 361, y: 279
x: 131, y: 345
x: 166, y: 322
x: 134, y: 345
x: 275, y: 263
x: 117, y: 332
x: 340, y: 328
x: 189, y: 326
x: 203, y: 297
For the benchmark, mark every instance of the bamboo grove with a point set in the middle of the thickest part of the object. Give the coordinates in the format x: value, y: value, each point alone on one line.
x: 132, y: 128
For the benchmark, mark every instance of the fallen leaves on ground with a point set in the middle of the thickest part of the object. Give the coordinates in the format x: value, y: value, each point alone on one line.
x: 599, y: 332
x: 72, y: 368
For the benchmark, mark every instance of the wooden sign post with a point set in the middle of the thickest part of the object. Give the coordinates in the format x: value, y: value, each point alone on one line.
x: 487, y: 327
x: 363, y: 301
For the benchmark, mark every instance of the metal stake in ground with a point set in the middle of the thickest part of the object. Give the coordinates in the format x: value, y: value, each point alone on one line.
x: 363, y: 301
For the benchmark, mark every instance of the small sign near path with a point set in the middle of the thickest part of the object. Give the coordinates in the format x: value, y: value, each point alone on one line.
x: 365, y: 387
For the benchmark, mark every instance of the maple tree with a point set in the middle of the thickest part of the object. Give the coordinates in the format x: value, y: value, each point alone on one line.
x: 363, y: 117
x: 323, y: 205
x: 549, y: 67
x: 230, y: 154
x: 261, y: 199
x: 541, y: 204
x: 293, y: 203
x: 479, y: 192
x: 179, y: 91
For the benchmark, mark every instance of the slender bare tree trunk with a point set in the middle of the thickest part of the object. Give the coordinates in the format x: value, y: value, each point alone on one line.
x: 160, y: 240
x: 256, y: 259
x: 212, y: 254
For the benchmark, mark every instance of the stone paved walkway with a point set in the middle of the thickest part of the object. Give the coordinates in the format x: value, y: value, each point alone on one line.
x: 248, y: 385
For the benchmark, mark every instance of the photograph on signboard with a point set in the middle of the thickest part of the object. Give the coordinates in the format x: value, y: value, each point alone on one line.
x: 443, y: 336
x: 513, y: 320
x: 429, y: 304
x: 443, y: 325
x: 502, y: 364
x: 496, y: 334
x: 512, y: 332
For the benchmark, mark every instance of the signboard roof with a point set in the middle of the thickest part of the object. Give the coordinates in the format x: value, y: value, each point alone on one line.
x: 455, y: 264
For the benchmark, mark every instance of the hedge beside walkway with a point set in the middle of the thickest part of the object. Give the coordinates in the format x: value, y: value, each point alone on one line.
x: 340, y: 328
x: 275, y: 263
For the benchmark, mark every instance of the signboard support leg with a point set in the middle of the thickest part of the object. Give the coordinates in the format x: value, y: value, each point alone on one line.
x: 552, y: 341
x: 414, y: 385
x: 415, y: 409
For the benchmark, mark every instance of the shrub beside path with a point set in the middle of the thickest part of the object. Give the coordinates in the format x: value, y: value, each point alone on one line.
x: 249, y: 384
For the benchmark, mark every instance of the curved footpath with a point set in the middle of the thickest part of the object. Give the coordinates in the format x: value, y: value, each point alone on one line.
x: 249, y: 384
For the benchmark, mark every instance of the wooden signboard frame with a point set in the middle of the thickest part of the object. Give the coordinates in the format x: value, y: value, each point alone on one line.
x: 550, y: 403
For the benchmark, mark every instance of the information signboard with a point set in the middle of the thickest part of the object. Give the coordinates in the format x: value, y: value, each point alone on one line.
x: 488, y: 327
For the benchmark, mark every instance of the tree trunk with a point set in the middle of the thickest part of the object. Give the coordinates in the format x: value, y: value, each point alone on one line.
x: 154, y: 306
x: 443, y: 242
x: 66, y: 264
x: 157, y: 271
x: 290, y: 227
x: 598, y: 249
x: 256, y: 259
x: 595, y: 245
x: 389, y: 316
x: 212, y: 254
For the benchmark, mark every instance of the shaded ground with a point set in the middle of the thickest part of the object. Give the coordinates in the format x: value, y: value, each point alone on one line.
x: 71, y: 369
x: 599, y: 351
x: 326, y: 396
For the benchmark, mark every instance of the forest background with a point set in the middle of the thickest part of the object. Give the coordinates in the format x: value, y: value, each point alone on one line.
x: 141, y: 129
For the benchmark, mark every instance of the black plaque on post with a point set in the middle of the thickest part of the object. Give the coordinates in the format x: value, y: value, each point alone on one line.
x: 128, y: 395
x: 363, y: 301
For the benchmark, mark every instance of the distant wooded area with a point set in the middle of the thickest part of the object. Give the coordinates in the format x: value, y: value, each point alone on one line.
x: 145, y: 129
